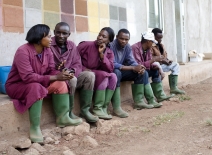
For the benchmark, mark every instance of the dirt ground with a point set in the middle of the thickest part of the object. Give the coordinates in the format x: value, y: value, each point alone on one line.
x: 182, y: 126
x: 179, y: 127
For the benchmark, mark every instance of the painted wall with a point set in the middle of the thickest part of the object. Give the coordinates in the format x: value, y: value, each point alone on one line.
x: 169, y: 37
x: 198, y: 15
x: 87, y: 17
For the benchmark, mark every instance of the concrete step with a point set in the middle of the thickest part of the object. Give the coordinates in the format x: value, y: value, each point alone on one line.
x: 11, y: 121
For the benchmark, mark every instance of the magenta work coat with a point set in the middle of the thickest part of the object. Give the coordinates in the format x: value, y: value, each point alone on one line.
x: 72, y: 57
x: 141, y: 57
x: 29, y: 76
x: 89, y: 53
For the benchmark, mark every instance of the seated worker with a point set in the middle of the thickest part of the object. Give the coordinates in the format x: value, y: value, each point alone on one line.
x: 166, y: 64
x: 33, y: 76
x: 98, y: 58
x: 127, y: 69
x: 67, y: 57
x: 142, y: 54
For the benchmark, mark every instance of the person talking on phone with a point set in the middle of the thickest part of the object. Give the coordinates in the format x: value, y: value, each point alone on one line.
x: 68, y: 60
x: 166, y: 64
x: 127, y: 69
x: 98, y: 58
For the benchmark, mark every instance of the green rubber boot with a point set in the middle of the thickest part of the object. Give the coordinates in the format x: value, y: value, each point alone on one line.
x: 99, y: 101
x: 108, y: 95
x: 148, y: 93
x: 71, y: 101
x: 159, y: 93
x: 34, y: 117
x: 138, y: 96
x: 116, y: 102
x: 85, y: 104
x: 61, y: 108
x: 173, y: 80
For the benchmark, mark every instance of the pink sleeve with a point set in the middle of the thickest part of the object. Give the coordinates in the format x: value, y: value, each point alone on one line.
x: 23, y: 64
x: 107, y: 63
x: 76, y: 63
x: 139, y: 58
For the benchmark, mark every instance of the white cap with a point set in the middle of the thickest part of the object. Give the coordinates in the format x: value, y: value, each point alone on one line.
x: 149, y: 36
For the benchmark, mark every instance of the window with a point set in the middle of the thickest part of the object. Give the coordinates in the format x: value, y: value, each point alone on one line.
x: 155, y: 13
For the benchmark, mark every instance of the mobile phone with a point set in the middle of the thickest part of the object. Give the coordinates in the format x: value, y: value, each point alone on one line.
x: 71, y: 71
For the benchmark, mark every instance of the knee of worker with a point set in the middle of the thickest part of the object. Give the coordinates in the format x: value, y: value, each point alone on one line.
x: 58, y: 87
x: 73, y: 82
x: 145, y: 78
x: 146, y: 75
x: 155, y: 74
x: 118, y: 73
x: 113, y: 78
x: 175, y: 64
x: 35, y: 87
x: 176, y: 68
x: 89, y: 77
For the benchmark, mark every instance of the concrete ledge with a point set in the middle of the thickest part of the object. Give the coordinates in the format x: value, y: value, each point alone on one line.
x: 11, y: 121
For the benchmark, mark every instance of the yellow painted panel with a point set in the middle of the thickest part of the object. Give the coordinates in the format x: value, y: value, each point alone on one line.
x: 104, y: 23
x: 93, y: 23
x: 51, y: 5
x: 103, y: 11
x: 93, y: 8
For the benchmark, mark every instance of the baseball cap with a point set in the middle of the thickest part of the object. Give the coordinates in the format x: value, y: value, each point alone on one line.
x: 149, y: 36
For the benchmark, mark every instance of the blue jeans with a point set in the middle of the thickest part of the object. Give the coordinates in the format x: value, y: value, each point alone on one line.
x: 131, y: 76
x: 155, y: 75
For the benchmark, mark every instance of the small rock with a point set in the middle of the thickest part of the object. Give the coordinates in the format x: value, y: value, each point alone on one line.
x: 89, y: 142
x: 57, y: 132
x: 3, y: 146
x: 13, y: 151
x: 114, y: 131
x: 31, y: 151
x: 68, y: 152
x: 74, y: 143
x: 48, y: 140
x: 65, y: 148
x: 49, y: 147
x: 106, y: 127
x: 99, y: 123
x: 68, y: 130
x: 117, y: 122
x: 69, y: 137
x: 174, y: 99
x: 82, y: 129
x: 56, y: 142
x: 54, y: 133
x: 47, y: 133
x: 38, y: 147
x: 21, y: 143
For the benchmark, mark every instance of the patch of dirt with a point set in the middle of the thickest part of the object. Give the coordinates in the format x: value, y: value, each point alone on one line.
x: 182, y: 126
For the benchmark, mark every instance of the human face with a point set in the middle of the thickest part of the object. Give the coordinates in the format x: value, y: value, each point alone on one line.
x: 159, y: 37
x: 123, y: 39
x: 103, y: 37
x: 46, y: 41
x: 61, y: 32
x: 149, y: 44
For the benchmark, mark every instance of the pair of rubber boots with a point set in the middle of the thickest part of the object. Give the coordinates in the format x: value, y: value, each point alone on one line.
x: 61, y: 107
x: 141, y: 90
x: 102, y: 99
x: 173, y: 80
x: 85, y: 104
